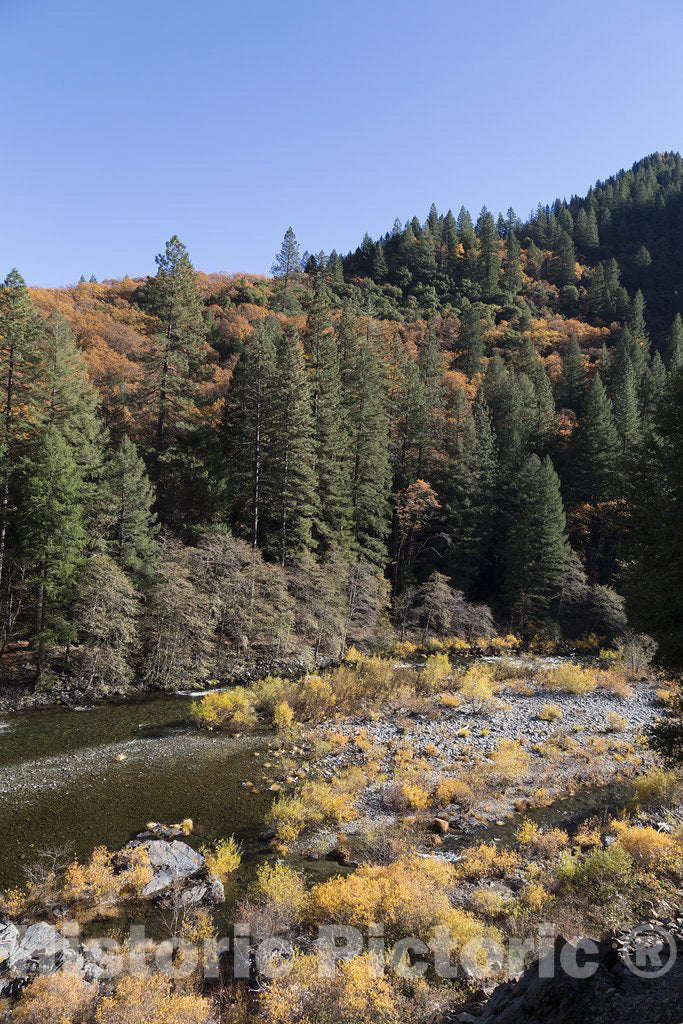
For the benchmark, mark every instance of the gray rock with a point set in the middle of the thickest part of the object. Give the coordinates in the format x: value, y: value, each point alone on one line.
x: 176, y: 858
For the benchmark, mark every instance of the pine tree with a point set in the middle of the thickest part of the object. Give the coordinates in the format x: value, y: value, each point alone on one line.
x: 512, y: 278
x: 626, y: 416
x: 489, y: 254
x: 70, y: 402
x: 19, y: 334
x: 537, y: 550
x: 287, y: 268
x: 571, y: 385
x: 127, y: 522
x: 636, y: 321
x: 471, y: 342
x: 332, y: 523
x: 293, y: 486
x: 595, y: 448
x: 676, y: 344
x: 248, y: 432
x: 370, y: 479
x: 175, y: 359
x: 53, y: 537
x: 654, y: 569
x: 543, y: 410
x: 566, y: 260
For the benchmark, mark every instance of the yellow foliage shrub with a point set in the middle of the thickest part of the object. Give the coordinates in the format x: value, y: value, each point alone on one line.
x: 224, y: 859
x: 544, y: 844
x: 614, y: 679
x: 510, y: 642
x: 450, y: 700
x: 490, y: 903
x: 404, y: 649
x: 290, y: 815
x: 231, y: 710
x: 437, y: 668
x: 283, y: 717
x: 353, y: 656
x: 59, y: 998
x: 281, y: 887
x: 477, y: 686
x: 656, y: 788
x: 150, y: 1000
x: 486, y: 860
x: 410, y: 897
x: 352, y: 995
x: 649, y: 848
x: 571, y: 678
x: 510, y: 761
x: 615, y: 722
x: 406, y: 796
x: 534, y: 896
x: 454, y: 791
x: 550, y: 713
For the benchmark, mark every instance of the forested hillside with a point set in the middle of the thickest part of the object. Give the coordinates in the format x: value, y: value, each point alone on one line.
x: 436, y: 432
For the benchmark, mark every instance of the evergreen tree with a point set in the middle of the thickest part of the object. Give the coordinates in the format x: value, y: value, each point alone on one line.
x: 248, y: 432
x: 471, y: 342
x: 512, y: 277
x: 19, y: 334
x: 537, y: 550
x: 127, y: 522
x: 489, y: 254
x: 595, y: 448
x: 676, y: 344
x: 293, y: 486
x: 626, y: 416
x: 53, y: 537
x: 565, y: 260
x: 286, y: 269
x: 654, y: 570
x: 370, y: 479
x: 174, y: 296
x: 571, y: 384
x: 332, y: 523
x: 70, y: 402
x: 636, y: 320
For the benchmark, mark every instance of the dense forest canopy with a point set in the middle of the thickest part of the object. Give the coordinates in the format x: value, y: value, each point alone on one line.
x: 198, y: 468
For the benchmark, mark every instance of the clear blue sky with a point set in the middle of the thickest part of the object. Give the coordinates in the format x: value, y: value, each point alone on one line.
x: 224, y: 122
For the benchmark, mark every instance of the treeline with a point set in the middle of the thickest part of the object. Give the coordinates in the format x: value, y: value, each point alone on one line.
x: 200, y: 470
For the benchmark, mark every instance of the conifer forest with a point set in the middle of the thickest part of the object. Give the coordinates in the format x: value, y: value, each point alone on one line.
x: 465, y: 423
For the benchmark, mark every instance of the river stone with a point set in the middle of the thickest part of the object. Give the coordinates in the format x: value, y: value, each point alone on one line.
x: 170, y: 861
x: 41, y: 939
x: 9, y: 937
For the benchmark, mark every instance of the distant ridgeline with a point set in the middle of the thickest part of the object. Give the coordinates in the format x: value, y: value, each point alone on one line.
x: 202, y: 468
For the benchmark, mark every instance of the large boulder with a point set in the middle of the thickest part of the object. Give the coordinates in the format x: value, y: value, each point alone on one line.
x: 171, y: 862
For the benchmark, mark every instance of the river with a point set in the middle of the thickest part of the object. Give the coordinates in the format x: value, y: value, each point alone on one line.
x: 61, y: 782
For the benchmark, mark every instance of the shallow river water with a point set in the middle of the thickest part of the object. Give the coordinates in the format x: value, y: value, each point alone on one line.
x: 61, y: 782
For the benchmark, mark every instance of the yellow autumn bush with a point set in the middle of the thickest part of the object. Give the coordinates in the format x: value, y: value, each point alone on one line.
x: 352, y: 995
x: 223, y: 859
x: 410, y: 897
x: 486, y: 860
x: 477, y: 686
x: 649, y: 848
x: 231, y: 710
x: 437, y: 668
x: 571, y: 678
x: 151, y: 1000
x: 59, y: 998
